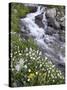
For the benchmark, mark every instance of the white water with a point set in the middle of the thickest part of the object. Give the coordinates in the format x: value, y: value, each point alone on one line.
x: 46, y: 42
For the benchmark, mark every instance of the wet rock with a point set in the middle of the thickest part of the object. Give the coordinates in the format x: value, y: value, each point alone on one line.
x: 56, y: 24
x: 62, y: 35
x: 50, y: 31
x: 62, y: 23
x: 62, y: 19
x: 38, y: 20
x: 53, y: 23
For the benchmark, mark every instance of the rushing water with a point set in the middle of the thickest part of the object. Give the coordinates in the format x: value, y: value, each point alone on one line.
x: 51, y: 46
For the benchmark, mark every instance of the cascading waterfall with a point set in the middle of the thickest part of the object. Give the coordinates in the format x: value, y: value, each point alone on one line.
x: 51, y: 45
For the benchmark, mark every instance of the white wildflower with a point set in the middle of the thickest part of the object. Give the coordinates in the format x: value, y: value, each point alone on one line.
x: 36, y: 73
x: 55, y: 77
x: 48, y: 71
x: 20, y: 54
x: 21, y: 61
x: 33, y: 54
x: 29, y: 70
x: 43, y: 69
x: 40, y: 53
x: 53, y: 66
x: 28, y: 79
x: 18, y: 47
x: 58, y: 74
x: 13, y: 59
x: 12, y: 69
x: 40, y: 65
x: 29, y: 52
x: 38, y: 57
x: 50, y: 68
x: 11, y: 54
x: 18, y: 51
x: 30, y: 49
x: 15, y: 10
x: 33, y: 58
x: 26, y: 54
x: 50, y: 62
x: 37, y: 51
x: 26, y: 49
x: 53, y: 80
x: 17, y: 67
x: 19, y: 39
x: 52, y: 76
x: 45, y: 58
x: 15, y: 53
x: 25, y: 66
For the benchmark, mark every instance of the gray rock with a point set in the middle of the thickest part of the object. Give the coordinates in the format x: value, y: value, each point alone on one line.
x: 30, y: 5
x: 62, y: 23
x: 62, y: 19
x: 53, y: 23
x: 51, y: 13
x: 33, y: 7
x: 56, y: 24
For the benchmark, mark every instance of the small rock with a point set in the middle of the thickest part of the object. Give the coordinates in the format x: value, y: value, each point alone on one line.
x: 50, y: 31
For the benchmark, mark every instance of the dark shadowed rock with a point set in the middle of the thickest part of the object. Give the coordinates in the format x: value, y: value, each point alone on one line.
x: 62, y: 23
x: 38, y: 20
x: 50, y: 31
x: 62, y: 35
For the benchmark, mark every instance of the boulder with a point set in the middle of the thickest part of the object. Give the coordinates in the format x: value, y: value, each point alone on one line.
x: 51, y: 13
x: 51, y: 18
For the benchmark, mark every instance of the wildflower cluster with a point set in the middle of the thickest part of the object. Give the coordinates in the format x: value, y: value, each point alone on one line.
x: 29, y: 67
